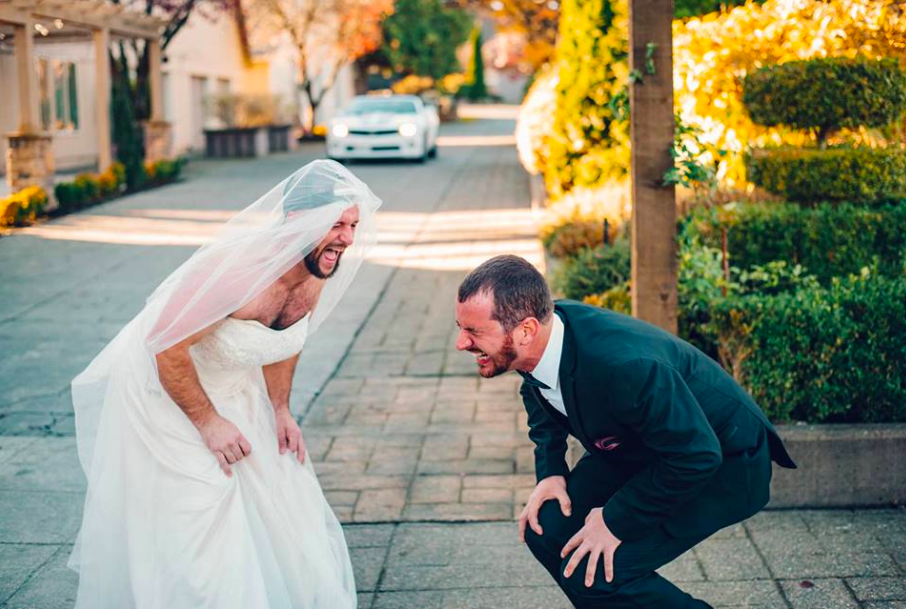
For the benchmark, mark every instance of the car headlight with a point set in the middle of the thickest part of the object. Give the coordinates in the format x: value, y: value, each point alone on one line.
x: 408, y: 129
x: 340, y: 130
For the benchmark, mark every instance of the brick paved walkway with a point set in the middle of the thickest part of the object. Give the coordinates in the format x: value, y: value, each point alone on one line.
x: 424, y: 462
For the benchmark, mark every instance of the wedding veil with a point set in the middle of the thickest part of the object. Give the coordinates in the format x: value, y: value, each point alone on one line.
x: 248, y: 254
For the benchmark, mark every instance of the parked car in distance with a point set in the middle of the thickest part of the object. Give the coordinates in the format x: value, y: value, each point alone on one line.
x: 381, y: 127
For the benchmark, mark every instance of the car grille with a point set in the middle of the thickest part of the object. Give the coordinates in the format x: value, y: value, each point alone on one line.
x: 372, y: 132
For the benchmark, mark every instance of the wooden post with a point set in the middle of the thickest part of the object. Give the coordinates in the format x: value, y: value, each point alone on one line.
x: 155, y: 80
x: 28, y: 79
x: 102, y: 97
x: 653, y: 204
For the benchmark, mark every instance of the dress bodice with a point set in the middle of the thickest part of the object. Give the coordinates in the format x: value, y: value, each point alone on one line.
x: 246, y: 343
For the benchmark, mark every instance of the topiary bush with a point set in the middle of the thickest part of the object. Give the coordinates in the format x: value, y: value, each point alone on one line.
x: 834, y: 174
x: 833, y: 354
x: 824, y: 95
x: 474, y: 87
x: 827, y: 93
x: 829, y: 240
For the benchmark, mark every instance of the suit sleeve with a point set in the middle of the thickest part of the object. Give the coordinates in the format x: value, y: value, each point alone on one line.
x: 652, y: 399
x: 549, y: 438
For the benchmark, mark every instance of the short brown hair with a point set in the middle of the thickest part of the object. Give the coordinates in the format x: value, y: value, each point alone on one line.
x: 518, y: 289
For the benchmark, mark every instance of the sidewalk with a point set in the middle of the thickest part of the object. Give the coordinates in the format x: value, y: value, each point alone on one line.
x: 424, y: 462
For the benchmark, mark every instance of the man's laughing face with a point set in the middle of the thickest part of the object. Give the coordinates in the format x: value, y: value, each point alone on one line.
x: 324, y: 260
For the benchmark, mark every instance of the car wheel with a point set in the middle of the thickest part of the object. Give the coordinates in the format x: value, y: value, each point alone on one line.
x: 433, y: 152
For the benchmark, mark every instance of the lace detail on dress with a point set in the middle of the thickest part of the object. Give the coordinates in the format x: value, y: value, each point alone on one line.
x: 238, y: 344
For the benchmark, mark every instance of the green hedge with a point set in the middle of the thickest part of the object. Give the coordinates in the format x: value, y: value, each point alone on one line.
x: 594, y: 270
x: 835, y: 174
x: 89, y: 189
x: 834, y: 354
x: 828, y: 240
x: 827, y: 93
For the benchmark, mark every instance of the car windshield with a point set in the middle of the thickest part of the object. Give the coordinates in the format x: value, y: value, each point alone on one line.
x: 383, y: 106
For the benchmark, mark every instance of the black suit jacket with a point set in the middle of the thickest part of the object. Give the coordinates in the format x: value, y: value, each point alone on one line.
x: 687, y: 437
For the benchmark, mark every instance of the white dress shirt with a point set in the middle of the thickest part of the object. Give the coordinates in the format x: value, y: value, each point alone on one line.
x: 548, y: 369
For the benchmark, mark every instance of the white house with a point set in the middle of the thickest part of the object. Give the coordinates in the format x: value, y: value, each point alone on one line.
x: 64, y: 127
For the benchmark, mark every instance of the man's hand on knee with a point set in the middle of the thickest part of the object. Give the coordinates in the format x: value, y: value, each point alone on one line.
x: 596, y: 540
x: 553, y: 487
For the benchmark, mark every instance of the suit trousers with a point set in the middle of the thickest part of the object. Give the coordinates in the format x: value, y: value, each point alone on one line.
x: 635, y: 585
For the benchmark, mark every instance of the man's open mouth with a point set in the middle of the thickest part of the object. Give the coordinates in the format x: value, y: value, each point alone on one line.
x: 332, y: 254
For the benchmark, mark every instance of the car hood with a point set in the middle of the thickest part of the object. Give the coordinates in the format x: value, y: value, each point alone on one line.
x: 376, y: 120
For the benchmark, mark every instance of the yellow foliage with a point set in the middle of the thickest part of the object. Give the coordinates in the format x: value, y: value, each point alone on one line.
x: 616, y: 299
x: 534, y: 125
x: 713, y: 54
x: 22, y: 207
x: 413, y: 85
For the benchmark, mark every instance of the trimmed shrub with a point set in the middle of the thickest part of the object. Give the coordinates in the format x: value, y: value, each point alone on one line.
x: 474, y: 87
x: 88, y: 186
x: 834, y: 354
x: 828, y: 240
x: 163, y: 171
x: 571, y: 238
x: 827, y: 93
x: 860, y: 174
x: 576, y: 221
x: 711, y: 54
x: 23, y: 207
x: 69, y: 196
x: 594, y: 271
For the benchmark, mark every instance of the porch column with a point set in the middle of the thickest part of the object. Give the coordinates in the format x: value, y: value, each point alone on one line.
x: 157, y: 129
x: 156, y: 80
x: 29, y: 152
x: 28, y: 79
x: 102, y: 96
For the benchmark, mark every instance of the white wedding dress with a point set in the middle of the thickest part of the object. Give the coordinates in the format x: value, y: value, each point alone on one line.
x: 164, y: 528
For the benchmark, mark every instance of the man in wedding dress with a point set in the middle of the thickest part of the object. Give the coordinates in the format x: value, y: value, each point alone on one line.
x: 675, y: 449
x: 199, y: 490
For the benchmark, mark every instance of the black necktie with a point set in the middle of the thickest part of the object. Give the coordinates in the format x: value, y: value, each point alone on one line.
x: 531, y: 380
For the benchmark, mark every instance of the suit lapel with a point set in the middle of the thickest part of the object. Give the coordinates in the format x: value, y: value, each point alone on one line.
x: 568, y: 362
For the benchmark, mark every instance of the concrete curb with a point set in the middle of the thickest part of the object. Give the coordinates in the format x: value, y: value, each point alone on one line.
x: 842, y: 466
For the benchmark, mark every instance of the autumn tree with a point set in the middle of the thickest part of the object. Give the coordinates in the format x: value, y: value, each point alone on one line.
x: 326, y: 34
x: 537, y: 20
x: 421, y: 37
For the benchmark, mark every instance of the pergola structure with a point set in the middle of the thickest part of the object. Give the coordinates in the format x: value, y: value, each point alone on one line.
x: 30, y: 154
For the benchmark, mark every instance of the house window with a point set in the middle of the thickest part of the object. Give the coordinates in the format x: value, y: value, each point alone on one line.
x: 58, y: 95
x: 43, y: 68
x: 66, y: 116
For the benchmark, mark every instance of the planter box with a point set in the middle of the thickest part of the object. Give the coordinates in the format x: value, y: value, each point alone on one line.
x: 278, y: 138
x: 231, y: 143
x: 839, y: 466
x: 842, y: 466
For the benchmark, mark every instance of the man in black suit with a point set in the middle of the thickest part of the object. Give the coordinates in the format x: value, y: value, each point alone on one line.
x: 675, y: 448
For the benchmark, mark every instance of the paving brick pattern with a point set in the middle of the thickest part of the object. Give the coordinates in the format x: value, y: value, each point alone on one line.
x: 425, y: 463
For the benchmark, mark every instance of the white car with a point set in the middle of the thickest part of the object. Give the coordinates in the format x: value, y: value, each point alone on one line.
x: 380, y: 127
